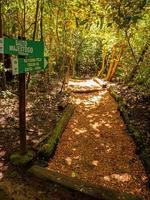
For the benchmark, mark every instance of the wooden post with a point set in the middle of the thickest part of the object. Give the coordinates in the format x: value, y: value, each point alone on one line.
x: 22, y: 112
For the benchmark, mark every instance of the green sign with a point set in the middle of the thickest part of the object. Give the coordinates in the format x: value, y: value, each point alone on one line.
x: 27, y: 48
x: 23, y: 65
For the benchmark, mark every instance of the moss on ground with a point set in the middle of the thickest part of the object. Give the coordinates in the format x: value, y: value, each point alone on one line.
x: 46, y: 149
x: 22, y: 160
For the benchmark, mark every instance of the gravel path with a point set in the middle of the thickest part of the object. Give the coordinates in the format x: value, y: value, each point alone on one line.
x: 97, y: 148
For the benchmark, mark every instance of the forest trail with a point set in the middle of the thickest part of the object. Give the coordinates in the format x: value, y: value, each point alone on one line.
x: 96, y: 147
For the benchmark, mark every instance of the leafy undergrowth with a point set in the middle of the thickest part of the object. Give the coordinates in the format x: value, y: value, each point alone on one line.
x: 42, y: 113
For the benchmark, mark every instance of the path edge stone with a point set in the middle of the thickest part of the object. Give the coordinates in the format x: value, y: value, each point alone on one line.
x: 98, y: 192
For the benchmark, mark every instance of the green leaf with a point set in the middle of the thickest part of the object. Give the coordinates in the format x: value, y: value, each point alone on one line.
x: 73, y: 174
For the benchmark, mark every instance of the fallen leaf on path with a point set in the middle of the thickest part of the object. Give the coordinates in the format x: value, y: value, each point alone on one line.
x: 123, y: 178
x: 95, y: 162
x: 68, y: 161
x: 106, y: 178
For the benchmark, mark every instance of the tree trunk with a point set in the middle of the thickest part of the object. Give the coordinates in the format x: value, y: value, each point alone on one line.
x: 132, y: 51
x: 2, y: 73
x: 77, y: 51
x: 136, y: 67
x: 24, y: 19
x: 35, y: 20
x: 41, y: 20
x: 34, y: 35
x: 103, y: 63
x: 116, y: 63
x: 111, y: 63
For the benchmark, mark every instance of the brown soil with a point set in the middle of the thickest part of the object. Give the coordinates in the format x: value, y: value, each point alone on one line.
x: 96, y: 147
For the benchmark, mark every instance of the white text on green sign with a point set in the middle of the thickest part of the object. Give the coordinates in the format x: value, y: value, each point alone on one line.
x: 27, y: 48
x: 21, y: 65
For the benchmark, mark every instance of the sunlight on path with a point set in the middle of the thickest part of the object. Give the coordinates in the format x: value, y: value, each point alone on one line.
x: 85, y: 83
x: 91, y: 102
x: 96, y: 147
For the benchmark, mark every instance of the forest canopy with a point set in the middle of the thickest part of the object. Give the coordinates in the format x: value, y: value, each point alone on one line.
x: 85, y: 36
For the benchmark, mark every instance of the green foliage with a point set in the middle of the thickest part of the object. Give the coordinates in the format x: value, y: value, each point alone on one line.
x: 125, y: 12
x: 143, y: 77
x: 1, y: 67
x: 75, y: 32
x: 6, y: 94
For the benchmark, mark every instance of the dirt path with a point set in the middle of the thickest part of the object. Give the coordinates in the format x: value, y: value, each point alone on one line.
x: 96, y: 147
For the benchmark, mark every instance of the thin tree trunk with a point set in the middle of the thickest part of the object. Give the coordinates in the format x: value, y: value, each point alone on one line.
x: 57, y: 35
x: 34, y: 35
x: 3, y: 79
x: 41, y: 20
x: 63, y: 67
x: 136, y: 67
x: 35, y: 20
x: 132, y: 51
x: 116, y: 63
x: 75, y: 58
x: 111, y: 63
x: 103, y: 63
x: 24, y: 19
x: 137, y: 61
